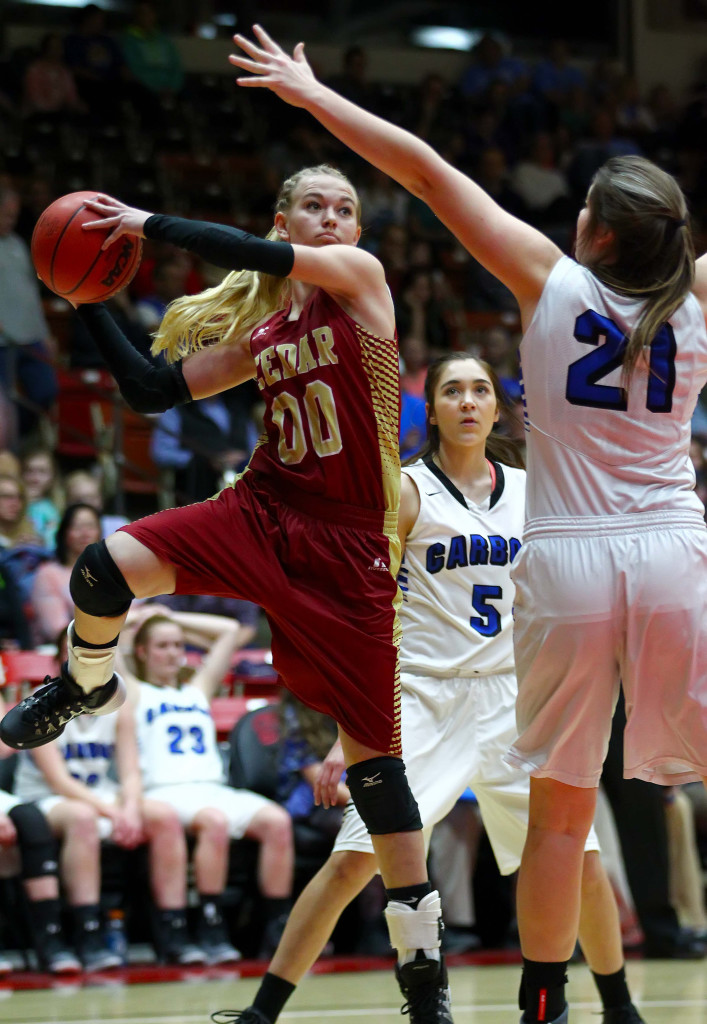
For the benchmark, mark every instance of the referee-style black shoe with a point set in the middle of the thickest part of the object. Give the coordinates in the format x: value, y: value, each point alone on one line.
x: 41, y: 717
x: 424, y: 984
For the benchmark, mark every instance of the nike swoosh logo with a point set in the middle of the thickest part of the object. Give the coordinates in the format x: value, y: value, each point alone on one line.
x: 430, y: 493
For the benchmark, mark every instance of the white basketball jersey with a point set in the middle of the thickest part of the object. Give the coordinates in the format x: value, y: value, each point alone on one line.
x: 455, y: 576
x: 177, y: 736
x: 87, y: 745
x: 593, y: 451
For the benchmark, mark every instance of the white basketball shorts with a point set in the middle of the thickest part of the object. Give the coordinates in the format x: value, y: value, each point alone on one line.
x: 455, y: 734
x: 602, y: 601
x: 188, y: 798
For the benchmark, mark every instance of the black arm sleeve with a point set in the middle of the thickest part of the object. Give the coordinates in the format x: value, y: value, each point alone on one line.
x: 223, y: 246
x: 145, y: 386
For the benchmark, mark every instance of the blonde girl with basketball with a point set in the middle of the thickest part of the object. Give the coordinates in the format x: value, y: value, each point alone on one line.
x: 308, y: 531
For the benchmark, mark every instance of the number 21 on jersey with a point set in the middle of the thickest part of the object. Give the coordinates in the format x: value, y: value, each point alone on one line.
x: 591, y: 328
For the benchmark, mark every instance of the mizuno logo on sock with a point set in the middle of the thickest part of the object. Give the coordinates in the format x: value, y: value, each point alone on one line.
x: 86, y: 573
x: 372, y: 780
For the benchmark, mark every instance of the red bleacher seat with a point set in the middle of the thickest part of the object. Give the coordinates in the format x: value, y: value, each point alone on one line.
x: 23, y: 670
x: 226, y: 711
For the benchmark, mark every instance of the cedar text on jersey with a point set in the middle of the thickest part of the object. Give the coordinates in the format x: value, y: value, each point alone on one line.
x: 292, y: 358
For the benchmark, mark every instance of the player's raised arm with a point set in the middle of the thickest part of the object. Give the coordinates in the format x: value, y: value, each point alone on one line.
x: 517, y: 254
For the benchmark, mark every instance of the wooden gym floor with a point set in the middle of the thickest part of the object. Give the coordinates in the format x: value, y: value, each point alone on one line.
x: 666, y: 992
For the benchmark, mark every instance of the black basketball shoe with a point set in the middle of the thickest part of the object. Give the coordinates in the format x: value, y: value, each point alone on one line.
x: 424, y: 984
x: 248, y: 1016
x: 41, y: 717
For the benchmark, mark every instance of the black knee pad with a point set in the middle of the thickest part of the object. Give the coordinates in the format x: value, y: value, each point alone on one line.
x: 379, y: 789
x: 97, y: 584
x: 34, y: 837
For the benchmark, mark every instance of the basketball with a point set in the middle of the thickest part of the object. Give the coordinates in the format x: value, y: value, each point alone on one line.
x: 70, y: 260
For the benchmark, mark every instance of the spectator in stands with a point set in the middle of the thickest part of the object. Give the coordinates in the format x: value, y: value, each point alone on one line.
x: 14, y: 624
x: 351, y: 81
x: 664, y: 112
x: 51, y: 600
x: 37, y: 193
x: 575, y: 118
x: 24, y: 830
x: 433, y: 112
x: 40, y: 479
x: 205, y: 442
x: 541, y: 185
x: 687, y: 893
x: 71, y: 782
x: 419, y: 315
x: 96, y: 61
x: 182, y: 766
x: 169, y: 279
x: 591, y: 153
x: 633, y: 117
x: 638, y: 808
x: 153, y: 62
x: 412, y: 423
x: 384, y: 202
x: 306, y: 738
x: 393, y: 253
x: 26, y: 347
x: 49, y: 88
x: 493, y: 175
x: 454, y: 849
x: 85, y: 487
x: 245, y: 613
x: 415, y: 358
x: 16, y: 528
x: 488, y: 65
x: 555, y: 78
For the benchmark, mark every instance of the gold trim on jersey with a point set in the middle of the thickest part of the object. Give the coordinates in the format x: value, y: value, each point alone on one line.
x: 379, y: 359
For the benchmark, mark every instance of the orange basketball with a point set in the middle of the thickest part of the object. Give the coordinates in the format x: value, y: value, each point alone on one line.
x: 70, y: 260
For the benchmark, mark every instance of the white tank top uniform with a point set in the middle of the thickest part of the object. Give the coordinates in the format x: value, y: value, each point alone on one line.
x: 458, y: 687
x: 87, y: 745
x: 180, y: 761
x: 611, y: 584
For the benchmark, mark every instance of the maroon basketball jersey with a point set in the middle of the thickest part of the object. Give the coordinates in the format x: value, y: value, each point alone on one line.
x: 332, y: 399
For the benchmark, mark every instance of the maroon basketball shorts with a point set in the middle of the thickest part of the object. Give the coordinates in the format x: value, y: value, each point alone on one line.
x: 323, y: 572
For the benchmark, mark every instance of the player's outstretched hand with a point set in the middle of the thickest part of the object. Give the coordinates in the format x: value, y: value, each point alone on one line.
x: 124, y: 220
x: 291, y: 78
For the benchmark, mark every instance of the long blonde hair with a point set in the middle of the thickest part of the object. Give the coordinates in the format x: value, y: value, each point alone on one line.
x: 244, y: 297
x: 653, y: 256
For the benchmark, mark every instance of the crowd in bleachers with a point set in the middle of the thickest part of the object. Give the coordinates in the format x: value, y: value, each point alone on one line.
x: 111, y: 108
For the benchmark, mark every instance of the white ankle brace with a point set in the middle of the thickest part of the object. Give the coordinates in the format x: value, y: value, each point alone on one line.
x: 411, y: 930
